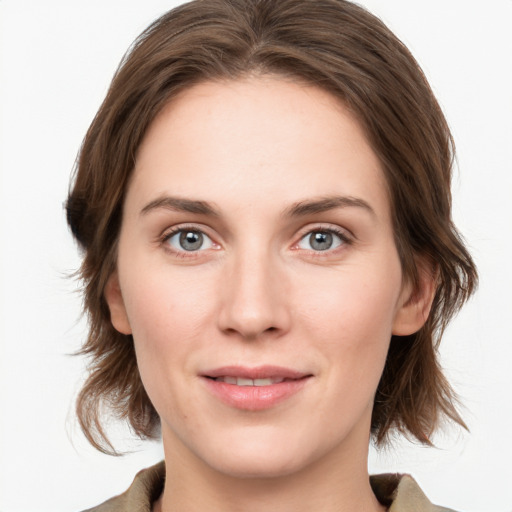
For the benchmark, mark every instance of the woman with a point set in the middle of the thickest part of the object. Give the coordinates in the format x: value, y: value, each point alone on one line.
x: 263, y: 200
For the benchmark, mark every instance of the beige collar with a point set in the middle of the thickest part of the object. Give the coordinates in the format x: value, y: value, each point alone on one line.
x: 400, y: 493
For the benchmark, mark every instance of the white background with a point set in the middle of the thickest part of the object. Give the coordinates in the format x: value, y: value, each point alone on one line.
x: 57, y: 58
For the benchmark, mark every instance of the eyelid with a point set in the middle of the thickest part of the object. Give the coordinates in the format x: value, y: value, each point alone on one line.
x: 183, y: 226
x: 171, y: 231
x: 346, y: 236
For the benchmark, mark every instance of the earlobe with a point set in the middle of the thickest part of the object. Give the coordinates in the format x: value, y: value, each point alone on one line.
x: 415, y: 302
x: 114, y: 298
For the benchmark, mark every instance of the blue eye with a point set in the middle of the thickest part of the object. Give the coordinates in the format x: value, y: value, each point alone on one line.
x: 190, y: 240
x: 321, y: 240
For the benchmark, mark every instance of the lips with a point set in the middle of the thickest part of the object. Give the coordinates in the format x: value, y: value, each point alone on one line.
x: 254, y: 389
x: 242, y: 381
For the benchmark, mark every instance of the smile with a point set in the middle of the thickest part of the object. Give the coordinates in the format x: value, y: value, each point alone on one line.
x: 242, y: 381
x: 255, y: 389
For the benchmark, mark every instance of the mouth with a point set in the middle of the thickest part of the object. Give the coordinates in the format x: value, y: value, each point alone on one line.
x: 242, y: 381
x: 255, y: 389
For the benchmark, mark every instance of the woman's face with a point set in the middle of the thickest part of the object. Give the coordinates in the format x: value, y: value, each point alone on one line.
x: 258, y: 275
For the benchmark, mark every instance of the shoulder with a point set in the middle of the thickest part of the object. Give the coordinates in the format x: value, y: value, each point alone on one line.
x: 145, y: 489
x: 401, y: 493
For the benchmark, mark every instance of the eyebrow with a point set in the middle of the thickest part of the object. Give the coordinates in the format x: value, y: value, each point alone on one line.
x: 178, y: 204
x: 299, y: 209
x: 324, y: 204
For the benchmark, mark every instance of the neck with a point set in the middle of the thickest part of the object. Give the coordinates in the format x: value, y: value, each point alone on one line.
x: 336, y: 483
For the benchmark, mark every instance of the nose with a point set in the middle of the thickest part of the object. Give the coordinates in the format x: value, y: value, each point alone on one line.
x: 254, y: 298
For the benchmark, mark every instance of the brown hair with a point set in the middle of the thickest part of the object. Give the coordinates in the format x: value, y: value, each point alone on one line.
x: 332, y: 44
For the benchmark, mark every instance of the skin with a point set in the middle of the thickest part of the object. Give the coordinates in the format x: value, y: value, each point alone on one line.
x: 258, y: 292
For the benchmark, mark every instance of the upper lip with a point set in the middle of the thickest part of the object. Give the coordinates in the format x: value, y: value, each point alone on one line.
x: 258, y: 372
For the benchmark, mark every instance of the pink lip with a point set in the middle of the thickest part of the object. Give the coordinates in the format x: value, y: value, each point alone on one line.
x: 255, y: 398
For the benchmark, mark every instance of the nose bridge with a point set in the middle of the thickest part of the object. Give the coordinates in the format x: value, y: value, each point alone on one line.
x: 254, y: 301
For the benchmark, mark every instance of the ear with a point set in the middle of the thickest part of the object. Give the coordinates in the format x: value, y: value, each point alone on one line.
x: 114, y: 298
x: 415, y: 302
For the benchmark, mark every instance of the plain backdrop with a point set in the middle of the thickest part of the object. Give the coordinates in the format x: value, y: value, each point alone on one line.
x: 57, y: 58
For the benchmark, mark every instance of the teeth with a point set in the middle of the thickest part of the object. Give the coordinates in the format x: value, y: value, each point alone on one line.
x: 262, y: 382
x: 241, y: 381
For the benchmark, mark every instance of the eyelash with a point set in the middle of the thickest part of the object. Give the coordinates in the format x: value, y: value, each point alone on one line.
x: 345, y: 240
x: 167, y: 235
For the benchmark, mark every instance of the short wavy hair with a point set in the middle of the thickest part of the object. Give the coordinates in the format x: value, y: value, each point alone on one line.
x: 332, y: 44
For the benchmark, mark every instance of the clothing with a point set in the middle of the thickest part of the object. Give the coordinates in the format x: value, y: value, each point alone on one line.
x: 398, y: 492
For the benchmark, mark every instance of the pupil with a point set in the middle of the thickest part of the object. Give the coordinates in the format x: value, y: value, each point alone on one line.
x: 320, y: 241
x: 191, y: 240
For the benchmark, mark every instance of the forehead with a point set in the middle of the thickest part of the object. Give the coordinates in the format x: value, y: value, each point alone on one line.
x: 251, y: 138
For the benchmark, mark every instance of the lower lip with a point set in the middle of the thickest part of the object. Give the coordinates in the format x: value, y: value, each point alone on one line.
x: 255, y: 398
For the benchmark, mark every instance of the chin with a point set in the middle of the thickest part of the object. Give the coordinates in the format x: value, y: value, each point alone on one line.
x: 251, y: 454
x: 262, y: 466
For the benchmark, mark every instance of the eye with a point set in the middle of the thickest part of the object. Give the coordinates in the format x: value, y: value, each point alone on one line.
x: 190, y: 240
x: 322, y: 240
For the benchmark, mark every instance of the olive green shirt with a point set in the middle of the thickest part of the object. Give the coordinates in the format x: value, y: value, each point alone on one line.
x: 398, y: 492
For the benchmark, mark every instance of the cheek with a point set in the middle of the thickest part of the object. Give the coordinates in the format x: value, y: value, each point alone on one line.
x: 169, y: 315
x: 168, y: 312
x: 164, y: 306
x: 350, y: 314
x: 356, y: 298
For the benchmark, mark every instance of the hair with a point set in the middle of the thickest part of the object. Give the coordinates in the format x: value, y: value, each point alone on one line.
x: 332, y: 44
